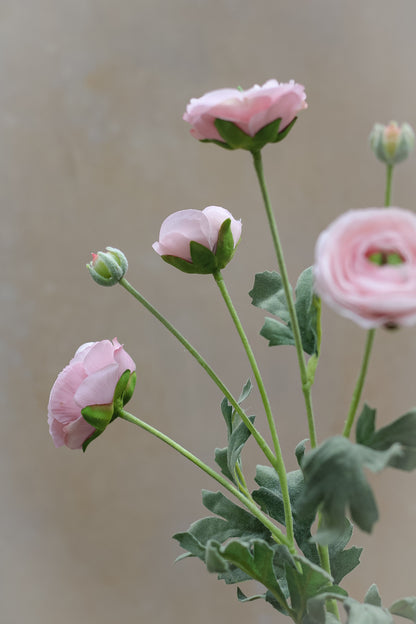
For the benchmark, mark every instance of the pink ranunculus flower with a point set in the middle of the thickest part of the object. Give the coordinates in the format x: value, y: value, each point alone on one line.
x: 250, y: 110
x: 365, y: 266
x: 202, y: 226
x: 89, y: 379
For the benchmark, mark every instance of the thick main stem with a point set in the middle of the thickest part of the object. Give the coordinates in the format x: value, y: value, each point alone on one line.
x: 278, y: 463
x: 306, y: 384
x: 202, y: 362
x: 247, y: 502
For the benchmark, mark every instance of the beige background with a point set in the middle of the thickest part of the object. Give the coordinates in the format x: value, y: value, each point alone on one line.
x: 94, y: 152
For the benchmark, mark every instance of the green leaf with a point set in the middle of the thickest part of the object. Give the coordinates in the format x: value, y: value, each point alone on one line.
x: 256, y: 560
x: 270, y: 499
x: 366, y: 613
x: 373, y: 596
x: 237, y: 434
x: 402, y: 431
x: 311, y: 581
x: 405, y: 607
x: 277, y: 333
x: 268, y: 294
x: 335, y: 482
x: 343, y: 561
x: 315, y: 607
x: 307, y: 309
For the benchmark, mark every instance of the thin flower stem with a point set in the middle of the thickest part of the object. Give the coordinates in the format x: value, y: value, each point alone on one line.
x: 360, y: 383
x: 306, y: 382
x: 256, y: 434
x: 278, y: 536
x: 389, y: 177
x: 278, y: 463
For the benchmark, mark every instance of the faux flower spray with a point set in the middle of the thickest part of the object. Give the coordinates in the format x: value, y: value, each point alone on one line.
x: 292, y: 532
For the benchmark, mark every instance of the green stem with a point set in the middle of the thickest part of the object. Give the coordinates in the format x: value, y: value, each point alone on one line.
x: 306, y: 383
x: 256, y: 435
x: 278, y: 463
x: 360, y: 383
x: 389, y: 177
x: 274, y: 530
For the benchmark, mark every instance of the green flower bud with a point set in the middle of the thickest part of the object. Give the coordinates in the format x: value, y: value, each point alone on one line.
x: 108, y: 267
x: 392, y: 143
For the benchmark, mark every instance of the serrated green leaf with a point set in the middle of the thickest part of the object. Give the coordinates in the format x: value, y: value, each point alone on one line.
x: 335, y: 482
x: 247, y: 388
x: 268, y: 294
x: 311, y: 581
x: 239, y: 520
x: 315, y: 607
x: 343, y: 561
x: 270, y: 499
x: 366, y: 613
x: 405, y: 607
x: 256, y: 560
x: 307, y: 307
x: 277, y: 333
x: 221, y: 459
x: 402, y: 431
x: 238, y: 438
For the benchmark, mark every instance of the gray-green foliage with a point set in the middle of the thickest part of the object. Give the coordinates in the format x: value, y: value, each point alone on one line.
x: 268, y: 294
x: 402, y: 431
x: 335, y: 482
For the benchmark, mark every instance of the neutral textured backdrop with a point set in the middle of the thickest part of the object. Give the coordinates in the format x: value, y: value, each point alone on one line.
x: 93, y: 153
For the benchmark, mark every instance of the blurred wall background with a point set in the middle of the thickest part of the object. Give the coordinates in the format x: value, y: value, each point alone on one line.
x: 94, y: 153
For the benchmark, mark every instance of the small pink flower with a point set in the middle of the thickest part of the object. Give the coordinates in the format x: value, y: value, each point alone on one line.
x: 89, y: 379
x: 365, y: 266
x: 250, y: 110
x: 202, y: 226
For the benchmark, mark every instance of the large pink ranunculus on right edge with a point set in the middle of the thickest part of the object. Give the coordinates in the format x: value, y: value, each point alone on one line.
x: 365, y: 266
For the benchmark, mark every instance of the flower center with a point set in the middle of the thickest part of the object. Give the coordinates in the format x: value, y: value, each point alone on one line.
x: 383, y: 257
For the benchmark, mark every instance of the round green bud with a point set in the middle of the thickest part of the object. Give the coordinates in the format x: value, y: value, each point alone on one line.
x: 108, y: 267
x: 392, y: 143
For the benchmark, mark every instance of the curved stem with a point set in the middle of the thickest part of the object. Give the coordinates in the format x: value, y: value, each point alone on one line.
x: 360, y: 383
x: 306, y: 385
x: 247, y: 502
x: 256, y: 435
x: 278, y: 463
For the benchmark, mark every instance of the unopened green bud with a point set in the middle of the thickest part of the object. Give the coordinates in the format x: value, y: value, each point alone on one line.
x: 392, y: 143
x: 108, y: 267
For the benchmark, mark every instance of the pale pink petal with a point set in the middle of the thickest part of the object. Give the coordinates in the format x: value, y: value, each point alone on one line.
x: 61, y: 400
x: 77, y: 432
x: 122, y: 358
x: 216, y: 217
x: 99, y: 356
x: 82, y: 352
x: 98, y: 388
x: 56, y: 429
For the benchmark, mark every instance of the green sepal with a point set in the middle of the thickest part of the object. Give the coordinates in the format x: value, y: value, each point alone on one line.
x: 235, y: 138
x: 92, y: 437
x: 402, y: 431
x: 225, y: 246
x: 129, y: 389
x: 335, y: 481
x: 98, y: 416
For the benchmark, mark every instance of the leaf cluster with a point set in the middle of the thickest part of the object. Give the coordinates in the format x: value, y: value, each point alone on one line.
x: 268, y: 294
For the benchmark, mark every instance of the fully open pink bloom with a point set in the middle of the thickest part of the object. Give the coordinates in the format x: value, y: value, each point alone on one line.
x: 371, y: 292
x: 89, y: 379
x: 250, y: 110
x: 202, y: 226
